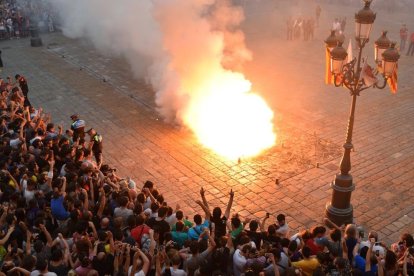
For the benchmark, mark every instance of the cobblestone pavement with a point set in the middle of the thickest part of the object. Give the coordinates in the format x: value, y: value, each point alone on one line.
x: 68, y: 76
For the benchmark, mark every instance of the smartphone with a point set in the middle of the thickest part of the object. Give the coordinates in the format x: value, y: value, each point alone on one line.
x: 377, y: 252
x: 361, y: 234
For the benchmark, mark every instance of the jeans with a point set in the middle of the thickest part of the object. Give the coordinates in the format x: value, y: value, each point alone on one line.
x: 410, y: 49
x: 402, y: 44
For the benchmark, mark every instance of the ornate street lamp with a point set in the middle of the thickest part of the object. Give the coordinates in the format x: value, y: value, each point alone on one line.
x: 363, y: 23
x: 381, y: 45
x: 389, y: 61
x: 331, y: 41
x: 338, y: 58
x: 356, y: 78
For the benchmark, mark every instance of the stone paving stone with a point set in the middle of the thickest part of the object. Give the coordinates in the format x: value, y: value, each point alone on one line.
x: 122, y: 110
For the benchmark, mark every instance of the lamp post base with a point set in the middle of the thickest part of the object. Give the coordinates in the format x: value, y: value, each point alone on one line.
x: 339, y: 216
x: 340, y: 210
x: 36, y: 42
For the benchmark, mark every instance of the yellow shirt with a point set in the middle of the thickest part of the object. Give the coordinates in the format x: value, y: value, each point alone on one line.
x: 307, y: 265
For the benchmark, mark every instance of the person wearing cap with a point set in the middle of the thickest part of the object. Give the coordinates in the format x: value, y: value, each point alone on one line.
x: 78, y: 127
x: 95, y: 145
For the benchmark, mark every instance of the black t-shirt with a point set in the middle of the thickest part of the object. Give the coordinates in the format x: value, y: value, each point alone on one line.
x: 256, y: 237
x: 61, y: 270
x: 97, y: 145
x: 220, y: 226
x: 162, y: 225
x: 272, y: 240
x: 24, y: 86
x: 105, y: 266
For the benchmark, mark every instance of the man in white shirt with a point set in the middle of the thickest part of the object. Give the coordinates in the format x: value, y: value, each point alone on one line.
x: 282, y: 227
x: 239, y: 259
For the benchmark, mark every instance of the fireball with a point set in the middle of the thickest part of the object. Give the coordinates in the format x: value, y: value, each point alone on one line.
x: 228, y: 118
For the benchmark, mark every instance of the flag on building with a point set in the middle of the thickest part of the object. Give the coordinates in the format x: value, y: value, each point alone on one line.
x: 367, y: 74
x: 328, y: 73
x: 349, y: 51
x: 393, y: 80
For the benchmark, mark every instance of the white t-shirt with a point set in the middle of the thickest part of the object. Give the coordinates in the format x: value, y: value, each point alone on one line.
x: 177, y: 272
x: 37, y: 272
x: 376, y: 247
x: 239, y: 261
x: 283, y: 230
x: 139, y: 273
x: 172, y: 220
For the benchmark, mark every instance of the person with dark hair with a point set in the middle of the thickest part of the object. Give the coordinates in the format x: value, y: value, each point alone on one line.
x: 180, y: 218
x: 42, y: 268
x: 78, y: 127
x: 194, y: 258
x: 178, y: 235
x: 220, y: 221
x: 160, y: 222
x: 123, y: 211
x: 253, y: 234
x: 57, y: 203
x: 195, y: 232
x: 360, y: 261
x: 140, y: 230
x: 282, y: 228
x: 96, y: 146
x: 59, y: 260
x: 24, y: 88
x: 334, y: 244
x: 308, y: 264
x: 103, y: 262
x: 240, y: 259
x: 406, y: 241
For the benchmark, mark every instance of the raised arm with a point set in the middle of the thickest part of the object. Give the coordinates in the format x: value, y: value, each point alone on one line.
x: 368, y: 257
x: 47, y: 235
x: 85, y: 200
x: 229, y: 204
x: 146, y: 262
x: 203, y: 198
x: 405, y: 258
x: 205, y: 209
x: 102, y: 204
x: 7, y: 236
x: 63, y: 193
x: 263, y: 223
x: 50, y: 173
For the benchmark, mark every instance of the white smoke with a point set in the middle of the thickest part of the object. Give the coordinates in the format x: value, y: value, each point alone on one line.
x: 178, y: 36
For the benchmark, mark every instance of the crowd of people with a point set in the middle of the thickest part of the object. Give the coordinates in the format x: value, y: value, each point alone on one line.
x: 64, y: 211
x: 16, y: 16
x: 406, y: 39
x: 300, y: 28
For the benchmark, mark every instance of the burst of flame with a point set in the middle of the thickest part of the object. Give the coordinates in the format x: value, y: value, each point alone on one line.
x: 229, y: 119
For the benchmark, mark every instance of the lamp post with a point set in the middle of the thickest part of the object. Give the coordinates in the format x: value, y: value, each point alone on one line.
x: 350, y: 75
x: 35, y: 40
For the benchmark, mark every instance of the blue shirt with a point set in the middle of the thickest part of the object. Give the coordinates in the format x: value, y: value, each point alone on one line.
x: 360, y: 264
x: 57, y: 208
x: 195, y: 232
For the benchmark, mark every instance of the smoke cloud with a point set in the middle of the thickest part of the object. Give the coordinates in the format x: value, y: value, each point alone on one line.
x: 177, y: 36
x: 196, y: 51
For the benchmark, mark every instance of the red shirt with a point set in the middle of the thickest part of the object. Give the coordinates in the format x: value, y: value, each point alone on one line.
x: 139, y: 231
x: 315, y: 249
